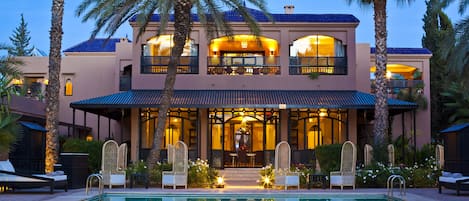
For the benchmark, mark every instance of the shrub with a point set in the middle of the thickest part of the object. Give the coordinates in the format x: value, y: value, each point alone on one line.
x: 200, y: 174
x: 329, y: 157
x: 93, y: 148
x: 155, y: 173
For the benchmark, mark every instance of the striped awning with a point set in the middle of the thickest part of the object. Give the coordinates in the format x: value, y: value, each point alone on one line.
x: 283, y: 99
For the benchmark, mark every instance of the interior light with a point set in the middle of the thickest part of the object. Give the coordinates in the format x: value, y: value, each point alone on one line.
x: 388, y: 74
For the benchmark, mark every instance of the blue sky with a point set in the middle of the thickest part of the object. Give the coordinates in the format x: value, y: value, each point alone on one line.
x: 404, y: 21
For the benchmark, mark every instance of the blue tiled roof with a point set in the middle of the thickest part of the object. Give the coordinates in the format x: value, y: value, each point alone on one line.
x: 95, y: 45
x: 241, y: 98
x: 404, y: 51
x: 233, y: 16
x: 455, y: 128
x: 33, y: 126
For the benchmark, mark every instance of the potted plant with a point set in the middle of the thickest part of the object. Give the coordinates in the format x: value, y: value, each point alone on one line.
x: 241, y: 70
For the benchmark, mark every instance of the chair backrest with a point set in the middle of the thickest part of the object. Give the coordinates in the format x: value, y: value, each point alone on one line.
x: 180, y: 157
x: 122, y: 157
x: 170, y: 153
x: 348, y: 157
x: 282, y: 156
x: 440, y: 156
x: 109, y: 157
x: 368, y: 154
x: 391, y: 155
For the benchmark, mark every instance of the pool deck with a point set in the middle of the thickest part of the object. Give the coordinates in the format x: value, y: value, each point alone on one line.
x: 413, y: 194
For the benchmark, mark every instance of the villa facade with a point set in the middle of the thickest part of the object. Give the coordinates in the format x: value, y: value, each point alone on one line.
x: 237, y: 96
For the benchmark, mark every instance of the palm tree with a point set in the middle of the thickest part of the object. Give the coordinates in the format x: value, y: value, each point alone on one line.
x: 457, y: 102
x: 52, y: 95
x: 8, y: 121
x: 381, y: 123
x: 458, y: 60
x: 111, y: 15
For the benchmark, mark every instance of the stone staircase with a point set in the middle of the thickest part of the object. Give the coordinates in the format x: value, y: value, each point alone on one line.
x: 240, y: 177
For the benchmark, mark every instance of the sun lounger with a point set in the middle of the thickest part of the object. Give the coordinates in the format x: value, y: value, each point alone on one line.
x: 9, y: 179
x: 454, y: 181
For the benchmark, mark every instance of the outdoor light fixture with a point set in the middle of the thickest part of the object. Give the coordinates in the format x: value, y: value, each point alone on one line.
x: 266, y: 181
x: 271, y: 53
x: 214, y: 52
x: 220, y: 183
x: 89, y: 137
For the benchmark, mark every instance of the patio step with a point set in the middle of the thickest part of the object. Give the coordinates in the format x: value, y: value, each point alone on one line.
x: 240, y: 176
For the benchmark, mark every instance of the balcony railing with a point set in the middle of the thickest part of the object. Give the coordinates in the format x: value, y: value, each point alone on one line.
x: 125, y: 83
x: 251, y: 65
x: 322, y: 65
x: 159, y: 65
x: 394, y: 86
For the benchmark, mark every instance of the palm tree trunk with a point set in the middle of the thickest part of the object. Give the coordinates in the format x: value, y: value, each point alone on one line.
x: 52, y: 96
x: 381, y: 106
x: 182, y: 25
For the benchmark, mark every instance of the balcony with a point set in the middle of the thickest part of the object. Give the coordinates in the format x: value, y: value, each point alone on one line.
x: 125, y: 83
x: 251, y: 65
x: 322, y: 65
x: 159, y: 65
x: 394, y: 86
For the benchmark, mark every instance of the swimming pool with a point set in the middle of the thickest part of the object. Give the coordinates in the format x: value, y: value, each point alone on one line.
x: 240, y: 197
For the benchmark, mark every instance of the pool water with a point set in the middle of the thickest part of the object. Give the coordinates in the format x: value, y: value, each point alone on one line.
x: 238, y: 197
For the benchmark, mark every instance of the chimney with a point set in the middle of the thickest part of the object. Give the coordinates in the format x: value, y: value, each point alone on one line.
x: 289, y: 9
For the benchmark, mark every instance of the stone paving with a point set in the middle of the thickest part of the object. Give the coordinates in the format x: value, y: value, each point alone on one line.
x: 413, y: 194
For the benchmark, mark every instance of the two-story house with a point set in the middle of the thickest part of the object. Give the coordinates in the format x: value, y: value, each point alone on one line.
x: 240, y: 94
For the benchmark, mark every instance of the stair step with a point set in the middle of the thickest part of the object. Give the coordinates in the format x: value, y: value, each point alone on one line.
x: 240, y: 175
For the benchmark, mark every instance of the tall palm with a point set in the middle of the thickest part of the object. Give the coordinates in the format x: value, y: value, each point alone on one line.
x: 52, y: 95
x: 8, y: 121
x: 110, y: 14
x: 381, y: 123
x: 458, y: 60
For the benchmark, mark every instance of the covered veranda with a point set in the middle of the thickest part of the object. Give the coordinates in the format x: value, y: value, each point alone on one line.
x: 205, y: 118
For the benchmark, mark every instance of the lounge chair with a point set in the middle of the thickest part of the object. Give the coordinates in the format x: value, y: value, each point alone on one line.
x: 454, y: 181
x: 110, y: 170
x: 178, y: 175
x: 348, y: 161
x: 9, y: 179
x: 283, y: 176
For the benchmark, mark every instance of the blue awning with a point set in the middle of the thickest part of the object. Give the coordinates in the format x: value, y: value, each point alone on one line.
x: 455, y: 128
x: 241, y: 99
x: 33, y: 126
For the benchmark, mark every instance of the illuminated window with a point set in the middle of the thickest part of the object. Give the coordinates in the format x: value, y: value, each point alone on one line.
x: 68, y: 87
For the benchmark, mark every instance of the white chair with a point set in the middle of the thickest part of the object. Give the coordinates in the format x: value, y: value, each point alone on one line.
x: 122, y: 157
x: 348, y: 161
x: 368, y: 154
x: 391, y: 155
x: 440, y: 156
x: 178, y: 175
x: 170, y: 153
x: 283, y: 176
x: 112, y: 174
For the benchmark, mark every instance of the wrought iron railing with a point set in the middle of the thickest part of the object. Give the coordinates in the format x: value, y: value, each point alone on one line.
x: 125, y: 83
x: 250, y: 65
x: 322, y: 65
x: 394, y: 86
x: 159, y: 65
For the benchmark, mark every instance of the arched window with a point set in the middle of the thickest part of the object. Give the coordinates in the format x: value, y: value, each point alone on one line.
x: 318, y: 54
x: 68, y: 87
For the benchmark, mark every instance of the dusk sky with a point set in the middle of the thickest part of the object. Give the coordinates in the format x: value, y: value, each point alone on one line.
x: 404, y: 21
